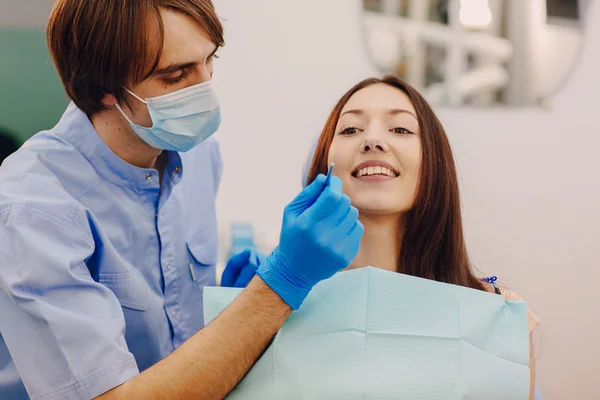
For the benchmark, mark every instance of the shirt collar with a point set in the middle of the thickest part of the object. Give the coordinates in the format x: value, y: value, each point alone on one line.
x: 77, y: 129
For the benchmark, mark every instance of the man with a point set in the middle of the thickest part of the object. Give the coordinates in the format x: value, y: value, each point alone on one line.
x: 108, y: 228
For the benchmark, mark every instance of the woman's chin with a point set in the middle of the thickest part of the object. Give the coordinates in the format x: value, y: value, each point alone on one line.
x: 379, y: 208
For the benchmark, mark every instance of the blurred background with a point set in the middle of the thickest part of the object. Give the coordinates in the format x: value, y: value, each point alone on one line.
x: 477, y: 52
x: 515, y: 83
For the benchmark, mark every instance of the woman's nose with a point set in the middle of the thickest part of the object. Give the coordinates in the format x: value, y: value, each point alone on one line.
x: 374, y: 142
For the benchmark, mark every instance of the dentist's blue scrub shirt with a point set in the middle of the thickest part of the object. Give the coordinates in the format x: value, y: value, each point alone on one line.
x: 95, y: 259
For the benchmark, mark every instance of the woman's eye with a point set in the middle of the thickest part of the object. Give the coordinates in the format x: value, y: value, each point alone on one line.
x: 401, y: 131
x: 349, y: 131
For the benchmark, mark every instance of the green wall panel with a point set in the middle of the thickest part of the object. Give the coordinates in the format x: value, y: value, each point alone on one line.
x: 31, y: 95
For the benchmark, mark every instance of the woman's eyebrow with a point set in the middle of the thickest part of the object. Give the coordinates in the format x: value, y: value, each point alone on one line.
x: 392, y: 111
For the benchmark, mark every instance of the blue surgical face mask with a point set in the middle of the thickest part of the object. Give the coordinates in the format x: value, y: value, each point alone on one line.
x: 180, y: 120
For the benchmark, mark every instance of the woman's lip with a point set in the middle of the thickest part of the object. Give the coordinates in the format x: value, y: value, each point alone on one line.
x: 374, y: 178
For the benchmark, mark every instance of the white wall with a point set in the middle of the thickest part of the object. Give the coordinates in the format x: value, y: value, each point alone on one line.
x: 25, y: 13
x: 529, y: 176
x: 275, y: 80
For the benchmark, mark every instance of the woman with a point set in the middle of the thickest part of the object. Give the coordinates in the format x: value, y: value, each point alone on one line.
x: 394, y: 159
x: 396, y: 166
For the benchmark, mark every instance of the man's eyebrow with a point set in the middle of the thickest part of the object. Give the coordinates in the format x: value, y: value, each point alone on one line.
x: 169, y: 69
x: 174, y: 67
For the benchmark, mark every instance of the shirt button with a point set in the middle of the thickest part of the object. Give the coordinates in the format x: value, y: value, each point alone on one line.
x: 167, y: 266
x: 148, y: 177
x: 177, y: 169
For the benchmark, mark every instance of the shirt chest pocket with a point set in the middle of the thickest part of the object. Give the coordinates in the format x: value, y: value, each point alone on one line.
x: 129, y: 287
x: 203, y: 256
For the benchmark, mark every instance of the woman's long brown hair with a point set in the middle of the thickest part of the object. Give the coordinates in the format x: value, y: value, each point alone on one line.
x: 433, y: 244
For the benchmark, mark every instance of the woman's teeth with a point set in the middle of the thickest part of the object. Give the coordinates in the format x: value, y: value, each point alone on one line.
x: 370, y: 171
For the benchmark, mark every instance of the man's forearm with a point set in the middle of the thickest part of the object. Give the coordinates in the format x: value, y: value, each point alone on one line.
x: 214, y: 360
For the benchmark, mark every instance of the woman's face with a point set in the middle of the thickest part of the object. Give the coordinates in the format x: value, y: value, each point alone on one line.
x: 377, y: 150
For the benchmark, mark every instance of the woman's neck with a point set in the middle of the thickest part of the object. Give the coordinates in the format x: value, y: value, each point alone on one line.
x: 381, y: 242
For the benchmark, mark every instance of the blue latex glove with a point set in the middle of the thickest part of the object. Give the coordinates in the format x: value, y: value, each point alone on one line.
x: 320, y: 236
x: 241, y: 268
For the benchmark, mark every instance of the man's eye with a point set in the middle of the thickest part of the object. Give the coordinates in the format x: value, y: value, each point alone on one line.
x: 184, y: 74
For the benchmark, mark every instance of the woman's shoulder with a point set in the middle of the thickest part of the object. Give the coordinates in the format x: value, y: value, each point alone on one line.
x: 509, y: 295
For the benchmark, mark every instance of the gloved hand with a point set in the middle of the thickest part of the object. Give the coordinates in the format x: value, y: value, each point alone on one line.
x: 241, y: 268
x: 320, y: 236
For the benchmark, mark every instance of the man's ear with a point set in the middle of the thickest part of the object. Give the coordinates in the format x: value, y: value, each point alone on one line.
x: 109, y: 100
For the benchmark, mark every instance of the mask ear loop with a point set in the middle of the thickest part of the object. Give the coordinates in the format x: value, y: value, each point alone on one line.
x: 136, y: 96
x: 121, y: 110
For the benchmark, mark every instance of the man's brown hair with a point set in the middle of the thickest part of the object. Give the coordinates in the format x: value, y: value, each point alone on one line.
x: 99, y: 46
